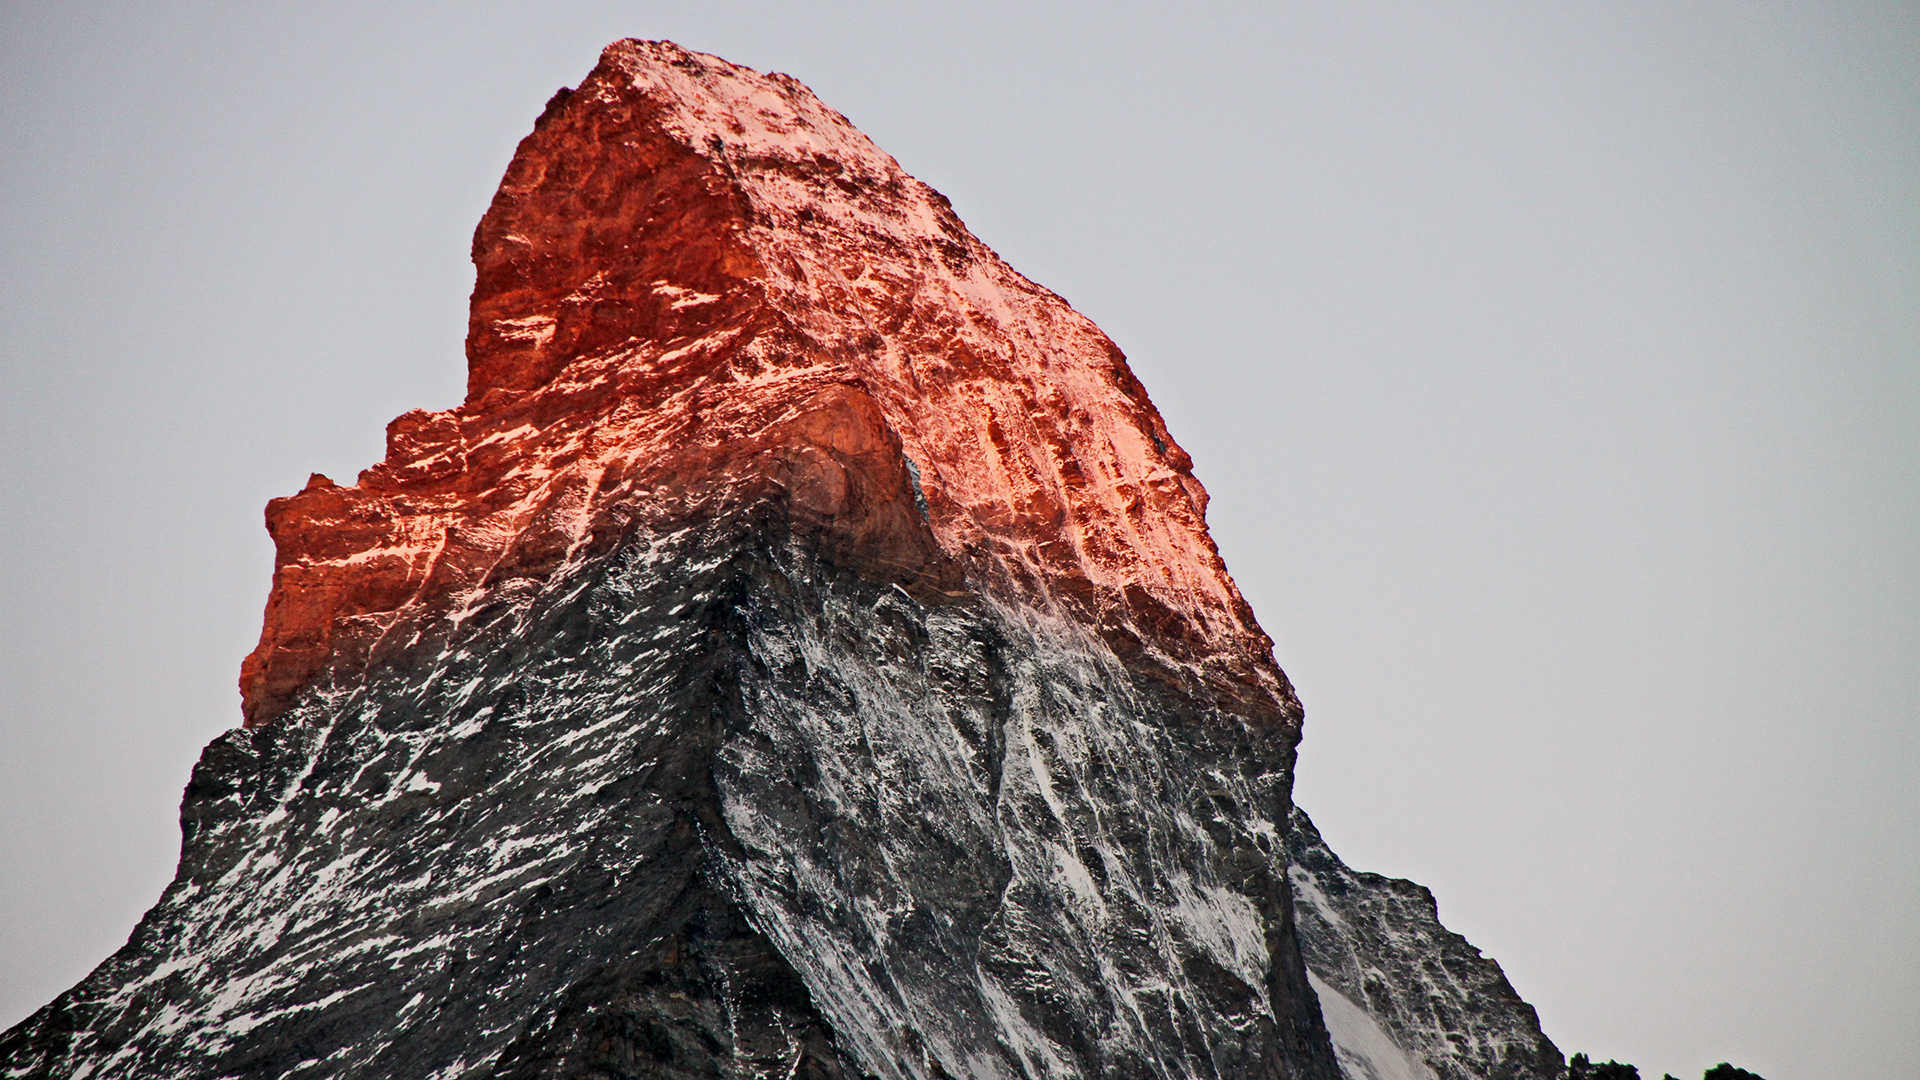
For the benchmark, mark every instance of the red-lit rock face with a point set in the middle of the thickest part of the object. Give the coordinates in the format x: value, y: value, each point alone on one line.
x: 699, y: 287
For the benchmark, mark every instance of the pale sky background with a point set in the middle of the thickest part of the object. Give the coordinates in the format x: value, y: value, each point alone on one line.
x: 1555, y: 369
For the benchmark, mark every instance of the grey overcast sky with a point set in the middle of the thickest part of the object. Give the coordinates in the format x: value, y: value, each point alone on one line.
x: 1554, y: 366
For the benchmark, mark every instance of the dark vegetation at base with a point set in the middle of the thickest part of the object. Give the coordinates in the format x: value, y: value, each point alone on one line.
x: 1579, y: 1067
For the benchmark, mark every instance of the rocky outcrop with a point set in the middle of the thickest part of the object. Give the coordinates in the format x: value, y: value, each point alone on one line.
x: 1404, y: 996
x: 802, y: 654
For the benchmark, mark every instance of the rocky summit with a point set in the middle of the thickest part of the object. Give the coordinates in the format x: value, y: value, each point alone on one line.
x: 802, y: 654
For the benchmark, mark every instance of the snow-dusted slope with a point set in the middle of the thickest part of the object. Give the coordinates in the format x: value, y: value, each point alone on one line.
x: 711, y: 805
x: 1365, y: 1050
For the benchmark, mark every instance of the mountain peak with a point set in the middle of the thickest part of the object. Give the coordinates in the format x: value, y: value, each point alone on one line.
x: 699, y: 286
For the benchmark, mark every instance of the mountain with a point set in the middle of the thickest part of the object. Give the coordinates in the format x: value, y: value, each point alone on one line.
x: 801, y: 654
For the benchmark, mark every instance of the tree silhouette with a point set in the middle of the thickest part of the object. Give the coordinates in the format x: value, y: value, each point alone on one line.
x: 1580, y: 1068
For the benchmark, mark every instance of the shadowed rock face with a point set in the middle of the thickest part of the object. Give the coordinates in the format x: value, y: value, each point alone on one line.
x: 716, y: 804
x: 802, y: 654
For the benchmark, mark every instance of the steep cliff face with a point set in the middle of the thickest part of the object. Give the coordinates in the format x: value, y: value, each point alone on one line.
x: 802, y: 654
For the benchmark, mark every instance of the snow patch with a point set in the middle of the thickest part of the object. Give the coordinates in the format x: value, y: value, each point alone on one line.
x: 1365, y: 1050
